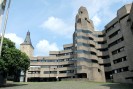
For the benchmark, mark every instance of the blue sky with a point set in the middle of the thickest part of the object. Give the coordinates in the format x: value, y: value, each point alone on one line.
x: 51, y: 22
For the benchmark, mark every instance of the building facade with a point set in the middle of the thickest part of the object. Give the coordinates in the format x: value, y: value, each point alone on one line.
x: 119, y: 40
x: 2, y: 10
x: 95, y: 55
x: 86, y: 46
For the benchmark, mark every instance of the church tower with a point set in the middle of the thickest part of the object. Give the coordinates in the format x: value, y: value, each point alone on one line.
x: 27, y: 46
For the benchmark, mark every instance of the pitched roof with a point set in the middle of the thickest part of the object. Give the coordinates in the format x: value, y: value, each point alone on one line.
x: 27, y: 40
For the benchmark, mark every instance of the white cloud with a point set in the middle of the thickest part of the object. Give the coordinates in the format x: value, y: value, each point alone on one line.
x: 16, y: 39
x: 96, y: 20
x: 95, y: 6
x: 57, y: 26
x: 53, y: 23
x: 102, y: 11
x: 43, y: 47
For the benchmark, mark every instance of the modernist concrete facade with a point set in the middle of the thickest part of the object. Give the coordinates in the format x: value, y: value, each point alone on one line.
x: 119, y: 39
x: 2, y: 10
x: 95, y: 55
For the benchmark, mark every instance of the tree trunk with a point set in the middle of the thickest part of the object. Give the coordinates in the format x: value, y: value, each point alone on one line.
x: 3, y: 78
x: 17, y: 76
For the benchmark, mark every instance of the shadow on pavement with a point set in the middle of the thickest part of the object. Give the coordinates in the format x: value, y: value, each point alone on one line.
x: 12, y: 85
x: 119, y: 86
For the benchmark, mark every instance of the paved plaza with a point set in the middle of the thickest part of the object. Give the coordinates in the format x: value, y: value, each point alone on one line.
x: 67, y: 85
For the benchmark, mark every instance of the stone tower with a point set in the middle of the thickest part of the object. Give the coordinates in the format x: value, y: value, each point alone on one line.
x: 27, y: 46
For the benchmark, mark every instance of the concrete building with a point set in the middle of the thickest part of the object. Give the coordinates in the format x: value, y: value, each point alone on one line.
x: 86, y: 47
x: 95, y: 55
x: 119, y: 40
x: 2, y: 9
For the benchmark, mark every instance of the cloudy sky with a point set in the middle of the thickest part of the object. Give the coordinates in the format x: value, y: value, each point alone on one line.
x: 51, y: 22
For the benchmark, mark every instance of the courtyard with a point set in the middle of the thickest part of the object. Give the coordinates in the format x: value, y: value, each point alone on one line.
x: 66, y: 85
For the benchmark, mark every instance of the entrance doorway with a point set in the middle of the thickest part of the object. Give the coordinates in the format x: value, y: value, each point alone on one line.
x: 82, y: 75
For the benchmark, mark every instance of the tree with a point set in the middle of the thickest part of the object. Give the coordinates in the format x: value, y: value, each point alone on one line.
x: 12, y: 59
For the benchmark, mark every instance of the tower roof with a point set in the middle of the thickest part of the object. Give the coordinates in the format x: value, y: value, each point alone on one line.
x: 27, y: 40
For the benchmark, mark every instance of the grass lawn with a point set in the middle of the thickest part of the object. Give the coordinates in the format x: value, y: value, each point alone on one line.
x: 67, y: 85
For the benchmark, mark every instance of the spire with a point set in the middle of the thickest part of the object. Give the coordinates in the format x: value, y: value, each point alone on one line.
x: 27, y: 40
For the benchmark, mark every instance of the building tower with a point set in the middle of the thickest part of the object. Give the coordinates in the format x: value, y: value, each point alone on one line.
x: 85, y: 51
x: 27, y: 46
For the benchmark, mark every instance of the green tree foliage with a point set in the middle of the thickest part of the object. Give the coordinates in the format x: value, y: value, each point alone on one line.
x: 12, y: 59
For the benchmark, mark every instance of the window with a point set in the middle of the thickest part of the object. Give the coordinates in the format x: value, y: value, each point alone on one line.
x: 91, y: 45
x: 79, y: 21
x: 119, y: 70
x: 45, y: 66
x: 60, y: 66
x: 103, y: 49
x: 94, y: 61
x: 101, y: 35
x: 86, y: 45
x: 124, y: 58
x: 68, y: 65
x: 102, y: 42
x: 107, y: 65
x: 33, y: 72
x: 46, y: 72
x: 116, y: 42
x: 111, y: 27
x: 104, y: 57
x: 33, y: 60
x: 87, y: 60
x: 68, y: 48
x: 62, y: 72
x: 53, y: 72
x: 115, y: 71
x: 120, y: 60
x: 131, y: 25
x: 67, y: 71
x: 91, y: 38
x: 61, y: 60
x: 114, y: 34
x: 114, y: 52
x: 125, y: 69
x: 99, y: 70
x: 85, y: 18
x: 93, y: 53
x: 83, y: 37
x: 50, y: 72
x: 118, y: 51
x: 121, y: 49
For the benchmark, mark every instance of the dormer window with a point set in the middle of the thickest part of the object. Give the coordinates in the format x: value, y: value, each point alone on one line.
x: 81, y: 12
